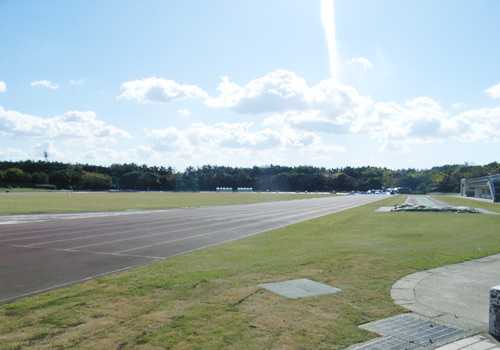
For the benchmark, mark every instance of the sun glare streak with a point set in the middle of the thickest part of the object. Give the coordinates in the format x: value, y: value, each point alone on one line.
x: 328, y: 21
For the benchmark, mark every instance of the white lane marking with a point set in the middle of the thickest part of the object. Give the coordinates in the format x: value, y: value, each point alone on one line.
x: 161, y: 233
x: 157, y: 258
x: 86, y: 251
x: 319, y: 209
x: 102, y: 226
x: 28, y: 218
x: 207, y: 215
x: 320, y: 213
x: 221, y: 218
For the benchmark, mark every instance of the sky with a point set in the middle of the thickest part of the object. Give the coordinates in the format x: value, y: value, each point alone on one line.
x: 328, y: 83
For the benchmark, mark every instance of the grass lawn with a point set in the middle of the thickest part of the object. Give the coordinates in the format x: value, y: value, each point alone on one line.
x: 209, y: 299
x: 43, y: 202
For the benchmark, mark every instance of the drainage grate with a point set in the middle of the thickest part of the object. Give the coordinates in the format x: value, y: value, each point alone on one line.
x: 389, y: 343
x: 408, y: 332
x: 299, y: 288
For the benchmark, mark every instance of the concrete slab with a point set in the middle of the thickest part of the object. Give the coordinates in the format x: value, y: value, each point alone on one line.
x: 484, y: 211
x: 431, y: 202
x: 403, y: 294
x: 478, y: 342
x: 384, y: 209
x: 464, y: 292
x: 455, y: 294
x: 428, y: 203
x: 299, y: 288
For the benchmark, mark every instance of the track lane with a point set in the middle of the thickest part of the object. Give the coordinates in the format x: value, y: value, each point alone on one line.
x: 43, y: 252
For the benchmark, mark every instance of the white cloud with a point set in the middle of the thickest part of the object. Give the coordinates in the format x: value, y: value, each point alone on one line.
x: 14, y: 124
x: 105, y: 155
x: 459, y: 105
x: 85, y: 126
x: 361, y: 61
x: 13, y: 154
x: 277, y: 91
x: 494, y: 91
x: 299, y: 116
x: 397, y: 147
x: 395, y: 126
x: 422, y: 120
x: 282, y: 91
x: 333, y: 108
x: 167, y: 140
x: 67, y: 151
x: 419, y: 120
x: 235, y: 140
x: 184, y: 112
x: 74, y: 136
x: 477, y: 125
x: 45, y: 83
x: 82, y: 126
x: 201, y: 138
x: 39, y: 149
x: 3, y: 86
x: 312, y: 121
x: 77, y: 82
x: 232, y: 136
x: 157, y: 90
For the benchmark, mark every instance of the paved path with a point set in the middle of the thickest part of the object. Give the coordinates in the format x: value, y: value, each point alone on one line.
x: 477, y: 342
x: 41, y: 252
x: 456, y: 295
x: 426, y: 201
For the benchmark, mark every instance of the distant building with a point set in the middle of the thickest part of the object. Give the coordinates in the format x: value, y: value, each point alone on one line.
x: 403, y: 190
x: 487, y: 187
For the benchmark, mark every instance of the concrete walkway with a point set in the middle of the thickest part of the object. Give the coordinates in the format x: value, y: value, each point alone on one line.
x: 455, y: 295
x: 478, y: 342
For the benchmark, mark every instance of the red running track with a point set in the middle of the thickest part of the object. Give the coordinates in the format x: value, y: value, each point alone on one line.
x: 41, y: 252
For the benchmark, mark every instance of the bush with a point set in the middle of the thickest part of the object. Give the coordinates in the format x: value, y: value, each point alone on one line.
x: 96, y: 182
x: 16, y: 175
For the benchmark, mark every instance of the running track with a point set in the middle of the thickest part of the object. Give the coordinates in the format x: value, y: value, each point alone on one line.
x: 41, y: 252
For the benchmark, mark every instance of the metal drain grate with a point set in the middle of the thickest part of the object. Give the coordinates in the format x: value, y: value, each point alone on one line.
x: 389, y: 343
x: 408, y: 332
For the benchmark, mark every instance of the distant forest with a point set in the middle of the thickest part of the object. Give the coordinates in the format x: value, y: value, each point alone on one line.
x: 264, y: 178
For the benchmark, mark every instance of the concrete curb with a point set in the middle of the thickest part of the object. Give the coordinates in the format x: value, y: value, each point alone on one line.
x: 409, y: 292
x: 434, y: 293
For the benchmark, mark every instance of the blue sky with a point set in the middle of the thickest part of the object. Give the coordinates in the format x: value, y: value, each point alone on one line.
x: 408, y: 84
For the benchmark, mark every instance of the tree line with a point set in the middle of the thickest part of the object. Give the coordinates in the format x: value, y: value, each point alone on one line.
x: 264, y: 178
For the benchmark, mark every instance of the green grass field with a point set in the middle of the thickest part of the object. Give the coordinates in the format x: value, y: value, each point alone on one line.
x: 43, y: 202
x: 209, y: 299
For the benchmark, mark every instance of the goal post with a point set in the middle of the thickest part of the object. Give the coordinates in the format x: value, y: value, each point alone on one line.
x: 187, y: 185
